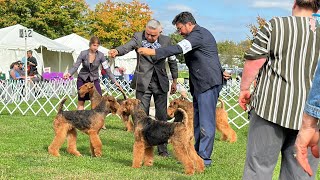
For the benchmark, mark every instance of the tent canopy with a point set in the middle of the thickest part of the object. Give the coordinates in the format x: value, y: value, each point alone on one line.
x: 47, y: 52
x: 10, y: 40
x: 78, y: 43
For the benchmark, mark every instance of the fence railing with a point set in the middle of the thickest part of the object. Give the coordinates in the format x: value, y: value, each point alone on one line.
x: 42, y: 98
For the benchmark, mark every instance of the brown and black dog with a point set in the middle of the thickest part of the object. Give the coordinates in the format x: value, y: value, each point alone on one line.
x: 149, y: 132
x: 95, y: 97
x: 87, y: 121
x: 228, y: 134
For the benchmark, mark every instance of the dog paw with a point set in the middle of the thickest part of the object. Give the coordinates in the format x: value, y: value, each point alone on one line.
x: 150, y: 163
x: 189, y: 172
x: 136, y: 166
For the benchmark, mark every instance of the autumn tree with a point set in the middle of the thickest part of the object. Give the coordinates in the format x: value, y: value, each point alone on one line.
x: 115, y: 22
x: 254, y: 28
x: 50, y: 18
x: 175, y: 38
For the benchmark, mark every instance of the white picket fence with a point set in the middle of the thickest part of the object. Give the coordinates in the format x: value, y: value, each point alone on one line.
x: 42, y: 98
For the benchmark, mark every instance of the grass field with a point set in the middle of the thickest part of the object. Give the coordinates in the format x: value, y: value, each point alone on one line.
x: 23, y: 155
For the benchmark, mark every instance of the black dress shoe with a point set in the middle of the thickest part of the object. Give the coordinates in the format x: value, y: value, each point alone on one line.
x: 164, y: 154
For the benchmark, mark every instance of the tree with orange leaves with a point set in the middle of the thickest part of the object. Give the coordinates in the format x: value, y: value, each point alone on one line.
x: 115, y: 22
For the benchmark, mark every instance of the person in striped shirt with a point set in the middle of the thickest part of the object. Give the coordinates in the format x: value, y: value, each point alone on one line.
x: 284, y: 55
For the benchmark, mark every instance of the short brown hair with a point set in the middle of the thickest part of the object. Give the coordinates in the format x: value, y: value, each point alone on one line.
x: 94, y: 39
x: 309, y: 4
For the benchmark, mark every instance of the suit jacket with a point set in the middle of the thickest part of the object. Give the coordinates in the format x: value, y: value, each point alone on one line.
x: 201, y: 55
x: 146, y: 65
x: 87, y: 71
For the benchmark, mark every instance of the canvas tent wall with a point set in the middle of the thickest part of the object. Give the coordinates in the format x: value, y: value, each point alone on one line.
x: 79, y: 44
x: 46, y: 51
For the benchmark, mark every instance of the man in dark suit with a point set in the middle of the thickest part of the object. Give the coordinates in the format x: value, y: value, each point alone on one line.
x: 201, y: 54
x: 150, y: 77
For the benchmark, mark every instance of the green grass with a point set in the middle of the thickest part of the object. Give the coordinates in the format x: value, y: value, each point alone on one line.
x: 23, y: 154
x: 183, y: 74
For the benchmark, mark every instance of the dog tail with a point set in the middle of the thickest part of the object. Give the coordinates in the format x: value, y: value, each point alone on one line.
x: 181, y: 116
x: 61, y: 105
x: 222, y: 103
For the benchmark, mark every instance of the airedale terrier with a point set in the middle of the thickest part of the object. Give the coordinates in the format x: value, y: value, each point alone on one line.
x: 228, y: 134
x: 95, y: 97
x: 124, y: 113
x: 88, y: 121
x: 149, y: 132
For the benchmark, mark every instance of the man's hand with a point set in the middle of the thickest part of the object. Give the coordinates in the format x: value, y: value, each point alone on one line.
x: 173, y: 88
x: 147, y: 51
x: 244, y: 99
x: 113, y: 53
x: 66, y: 76
x: 118, y: 85
x: 308, y: 136
x: 226, y: 75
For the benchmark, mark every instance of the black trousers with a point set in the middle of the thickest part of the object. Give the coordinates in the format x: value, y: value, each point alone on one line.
x: 160, y: 101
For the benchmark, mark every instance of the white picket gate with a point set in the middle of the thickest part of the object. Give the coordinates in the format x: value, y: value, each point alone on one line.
x: 42, y: 98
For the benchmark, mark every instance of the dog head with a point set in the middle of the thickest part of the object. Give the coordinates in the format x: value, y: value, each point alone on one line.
x: 175, y: 104
x: 113, y: 103
x: 86, y: 88
x: 127, y: 107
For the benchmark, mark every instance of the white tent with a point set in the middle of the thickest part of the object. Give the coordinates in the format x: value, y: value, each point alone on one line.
x: 79, y: 43
x: 47, y: 52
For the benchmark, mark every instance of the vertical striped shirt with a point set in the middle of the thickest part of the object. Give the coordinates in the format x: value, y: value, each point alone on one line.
x: 292, y: 52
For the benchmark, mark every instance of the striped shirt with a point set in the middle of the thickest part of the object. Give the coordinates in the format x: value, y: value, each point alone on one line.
x: 292, y: 52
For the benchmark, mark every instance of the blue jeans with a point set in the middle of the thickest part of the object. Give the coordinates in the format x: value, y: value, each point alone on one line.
x: 312, y: 106
x: 204, y: 106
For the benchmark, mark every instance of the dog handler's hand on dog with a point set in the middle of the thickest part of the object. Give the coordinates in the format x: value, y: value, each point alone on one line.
x: 308, y: 136
x: 147, y: 51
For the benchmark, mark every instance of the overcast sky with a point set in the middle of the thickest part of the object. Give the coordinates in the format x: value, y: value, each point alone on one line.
x: 226, y: 19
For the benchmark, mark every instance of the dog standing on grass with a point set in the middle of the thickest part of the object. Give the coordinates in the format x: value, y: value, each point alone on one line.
x: 95, y: 97
x: 87, y: 121
x: 149, y: 132
x: 228, y: 134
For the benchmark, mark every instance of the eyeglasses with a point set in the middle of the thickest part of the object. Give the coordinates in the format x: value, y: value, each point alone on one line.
x: 179, y: 28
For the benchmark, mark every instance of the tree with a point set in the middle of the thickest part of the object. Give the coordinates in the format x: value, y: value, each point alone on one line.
x: 49, y: 18
x: 255, y: 28
x: 175, y: 38
x: 232, y: 53
x: 115, y: 22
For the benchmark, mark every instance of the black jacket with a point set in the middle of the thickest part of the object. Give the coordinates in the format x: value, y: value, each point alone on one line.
x: 201, y: 56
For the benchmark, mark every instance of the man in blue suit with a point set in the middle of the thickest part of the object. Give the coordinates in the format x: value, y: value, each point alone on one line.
x: 205, y: 73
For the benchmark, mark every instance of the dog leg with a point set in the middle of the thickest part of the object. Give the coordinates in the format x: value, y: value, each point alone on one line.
x: 198, y: 161
x: 138, y: 154
x: 72, y: 142
x: 180, y: 149
x: 148, y: 159
x: 95, y: 143
x: 129, y: 126
x: 58, y: 140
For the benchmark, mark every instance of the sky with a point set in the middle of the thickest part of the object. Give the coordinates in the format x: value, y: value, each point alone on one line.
x: 226, y: 19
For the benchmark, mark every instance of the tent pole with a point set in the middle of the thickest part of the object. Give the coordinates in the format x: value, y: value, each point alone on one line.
x: 59, y: 61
